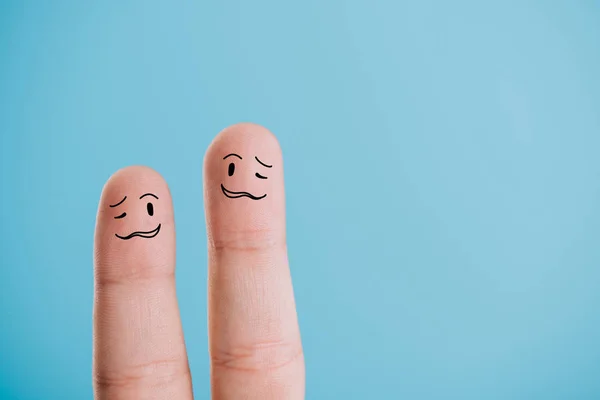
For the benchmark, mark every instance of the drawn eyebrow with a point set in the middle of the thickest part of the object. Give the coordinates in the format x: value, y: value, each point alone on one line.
x: 148, y: 194
x: 119, y: 203
x: 233, y: 154
x: 262, y: 163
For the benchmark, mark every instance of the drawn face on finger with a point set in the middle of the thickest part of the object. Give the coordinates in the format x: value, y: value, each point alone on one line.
x: 145, y: 205
x: 236, y: 165
x: 243, y: 182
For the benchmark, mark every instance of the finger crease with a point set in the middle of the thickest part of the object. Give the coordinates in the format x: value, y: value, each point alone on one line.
x: 157, y: 372
x: 260, y: 357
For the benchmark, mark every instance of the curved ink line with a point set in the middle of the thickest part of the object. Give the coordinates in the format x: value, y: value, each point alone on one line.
x: 119, y: 203
x: 262, y: 163
x: 237, y: 195
x: 149, y: 194
x: 145, y: 235
x: 260, y: 176
x: 233, y: 154
x: 121, y: 216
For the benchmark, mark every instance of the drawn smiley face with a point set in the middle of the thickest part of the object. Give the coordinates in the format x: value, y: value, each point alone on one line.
x: 231, y: 170
x: 149, y: 210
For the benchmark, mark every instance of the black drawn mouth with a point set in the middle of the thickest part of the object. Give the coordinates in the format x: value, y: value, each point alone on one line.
x: 146, y: 235
x: 237, y: 195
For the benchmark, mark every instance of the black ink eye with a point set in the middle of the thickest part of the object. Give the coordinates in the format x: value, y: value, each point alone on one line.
x: 231, y: 169
x: 260, y: 176
x: 150, y: 209
x: 121, y: 216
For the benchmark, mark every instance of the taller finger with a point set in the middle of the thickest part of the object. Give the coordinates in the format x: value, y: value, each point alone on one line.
x: 255, y: 345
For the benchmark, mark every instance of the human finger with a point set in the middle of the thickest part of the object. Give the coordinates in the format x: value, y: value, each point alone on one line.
x: 255, y: 346
x: 139, y: 350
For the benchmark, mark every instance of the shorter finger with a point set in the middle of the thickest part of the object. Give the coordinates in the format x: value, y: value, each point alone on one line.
x: 139, y: 350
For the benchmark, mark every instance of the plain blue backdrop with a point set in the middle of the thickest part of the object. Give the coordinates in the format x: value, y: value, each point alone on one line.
x: 442, y: 170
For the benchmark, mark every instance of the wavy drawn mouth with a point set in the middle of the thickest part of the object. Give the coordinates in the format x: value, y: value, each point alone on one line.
x: 145, y: 235
x: 237, y: 195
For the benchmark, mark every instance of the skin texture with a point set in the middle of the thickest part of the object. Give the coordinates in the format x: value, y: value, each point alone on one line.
x: 254, y: 339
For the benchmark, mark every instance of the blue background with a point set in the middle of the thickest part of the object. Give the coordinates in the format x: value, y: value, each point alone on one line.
x: 442, y: 177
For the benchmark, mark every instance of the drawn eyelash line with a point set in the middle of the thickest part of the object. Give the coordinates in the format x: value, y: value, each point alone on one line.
x: 262, y: 163
x: 119, y: 203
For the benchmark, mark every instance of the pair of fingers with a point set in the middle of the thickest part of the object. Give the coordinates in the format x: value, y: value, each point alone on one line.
x: 254, y: 339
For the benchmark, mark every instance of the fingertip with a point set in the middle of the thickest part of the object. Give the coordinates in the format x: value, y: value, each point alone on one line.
x: 134, y: 221
x: 127, y: 178
x: 246, y: 135
x: 243, y: 182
